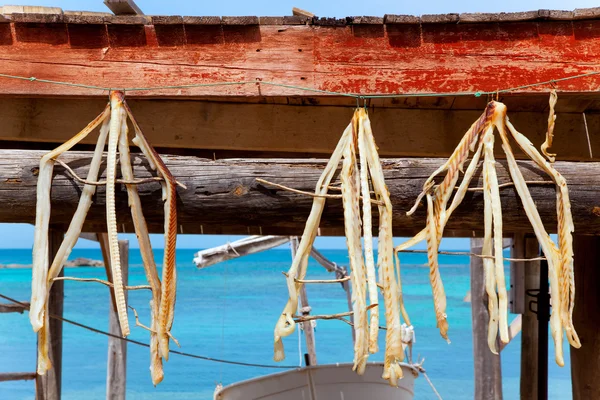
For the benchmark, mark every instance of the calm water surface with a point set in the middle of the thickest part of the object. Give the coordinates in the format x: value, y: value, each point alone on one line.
x: 228, y: 311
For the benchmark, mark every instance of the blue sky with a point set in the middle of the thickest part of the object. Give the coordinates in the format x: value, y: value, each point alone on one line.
x: 329, y: 8
x: 21, y: 236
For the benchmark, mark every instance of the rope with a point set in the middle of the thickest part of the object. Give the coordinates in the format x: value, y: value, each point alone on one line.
x: 354, y: 95
x: 181, y: 353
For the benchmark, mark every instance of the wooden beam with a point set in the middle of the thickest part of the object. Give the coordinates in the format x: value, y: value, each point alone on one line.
x: 307, y: 326
x: 239, y: 248
x: 302, y: 13
x: 116, y: 374
x: 123, y: 7
x: 17, y: 376
x: 488, y: 373
x: 340, y: 272
x: 223, y: 196
x: 104, y: 248
x: 386, y: 58
x: 12, y: 308
x: 525, y: 276
x: 274, y: 128
x: 48, y: 386
x: 513, y: 330
x: 585, y: 362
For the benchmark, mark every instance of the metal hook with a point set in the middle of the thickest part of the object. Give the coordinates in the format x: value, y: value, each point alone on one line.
x: 365, y: 103
x: 553, y: 83
x: 357, y: 102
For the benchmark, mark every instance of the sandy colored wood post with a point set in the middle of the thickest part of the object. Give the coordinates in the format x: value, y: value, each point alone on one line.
x: 48, y: 386
x: 488, y: 372
x: 525, y: 276
x: 585, y: 362
x: 307, y: 327
x: 116, y: 375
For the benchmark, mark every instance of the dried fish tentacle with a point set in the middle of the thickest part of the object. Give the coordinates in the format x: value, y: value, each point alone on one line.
x: 550, y: 133
x: 141, y: 231
x: 493, y: 197
x: 285, y: 325
x: 116, y: 116
x: 169, y: 273
x: 350, y: 195
x: 363, y: 149
x: 542, y: 236
x: 439, y: 295
x: 564, y: 264
x: 489, y: 238
x: 393, y: 343
x: 39, y: 288
x: 69, y: 241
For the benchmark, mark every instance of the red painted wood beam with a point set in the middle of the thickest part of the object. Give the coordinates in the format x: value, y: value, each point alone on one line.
x: 372, y: 58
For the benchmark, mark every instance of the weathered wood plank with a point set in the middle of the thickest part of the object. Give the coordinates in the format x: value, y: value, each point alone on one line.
x: 307, y: 326
x: 276, y: 128
x: 17, y: 376
x: 13, y: 308
x: 48, y: 386
x: 585, y: 362
x: 488, y: 372
x: 243, y: 247
x: 116, y: 374
x: 123, y: 7
x: 528, y: 274
x: 223, y: 196
x: 402, y: 57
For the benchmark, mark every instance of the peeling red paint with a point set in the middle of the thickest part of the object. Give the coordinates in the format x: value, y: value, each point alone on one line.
x: 381, y: 59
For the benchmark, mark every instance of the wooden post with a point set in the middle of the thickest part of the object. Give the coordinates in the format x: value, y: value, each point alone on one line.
x: 585, y: 362
x: 525, y: 276
x: 488, y: 373
x: 48, y: 386
x: 116, y: 375
x: 340, y: 272
x: 307, y: 327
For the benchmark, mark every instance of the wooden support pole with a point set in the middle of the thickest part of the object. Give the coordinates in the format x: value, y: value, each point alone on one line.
x: 116, y: 375
x: 307, y: 327
x: 488, y: 373
x: 525, y: 276
x: 585, y: 362
x: 340, y: 272
x: 48, y: 386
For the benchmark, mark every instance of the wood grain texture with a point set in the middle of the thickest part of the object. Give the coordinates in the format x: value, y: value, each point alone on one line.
x: 116, y: 373
x: 488, y: 371
x: 526, y: 246
x: 49, y: 386
x: 400, y: 132
x: 402, y: 56
x: 585, y: 362
x: 17, y: 376
x: 223, y: 196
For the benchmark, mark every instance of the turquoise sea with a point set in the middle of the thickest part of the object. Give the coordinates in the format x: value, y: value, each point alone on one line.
x: 228, y: 311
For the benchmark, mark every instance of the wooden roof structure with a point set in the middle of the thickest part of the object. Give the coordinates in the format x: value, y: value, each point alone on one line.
x: 296, y: 73
x: 228, y: 99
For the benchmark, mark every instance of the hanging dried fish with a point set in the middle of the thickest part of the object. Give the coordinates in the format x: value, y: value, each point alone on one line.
x: 560, y: 257
x: 356, y: 139
x: 114, y: 128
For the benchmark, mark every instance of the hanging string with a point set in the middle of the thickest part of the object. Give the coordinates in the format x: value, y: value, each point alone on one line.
x: 181, y: 353
x: 303, y: 88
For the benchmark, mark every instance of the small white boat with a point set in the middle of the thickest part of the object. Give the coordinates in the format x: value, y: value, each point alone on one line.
x: 323, y: 382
